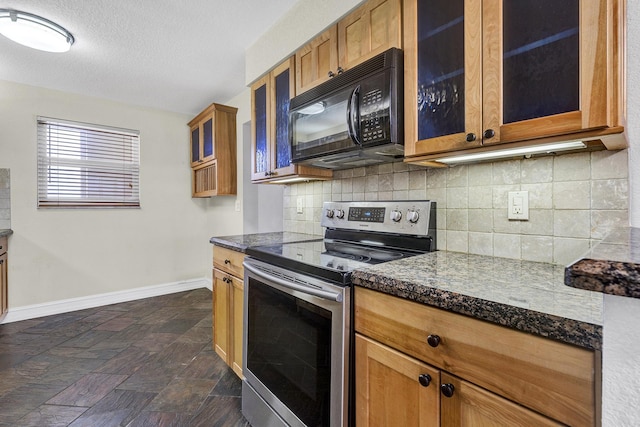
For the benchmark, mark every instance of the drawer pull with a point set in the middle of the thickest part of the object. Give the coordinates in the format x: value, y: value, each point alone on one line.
x: 447, y: 389
x: 433, y: 340
x: 424, y: 379
x: 226, y: 280
x: 227, y: 261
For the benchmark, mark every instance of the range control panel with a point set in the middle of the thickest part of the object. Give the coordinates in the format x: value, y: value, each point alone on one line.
x: 415, y: 217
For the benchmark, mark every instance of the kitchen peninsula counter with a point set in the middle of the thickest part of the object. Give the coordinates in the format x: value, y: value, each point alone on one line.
x: 611, y: 267
x: 523, y: 295
x: 241, y: 242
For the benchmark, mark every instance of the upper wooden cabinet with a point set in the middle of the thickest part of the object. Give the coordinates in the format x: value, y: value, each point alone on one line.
x: 213, y: 151
x: 486, y: 72
x: 367, y: 31
x: 271, y: 151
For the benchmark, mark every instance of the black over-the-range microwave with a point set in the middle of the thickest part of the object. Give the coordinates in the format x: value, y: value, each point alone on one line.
x: 354, y: 119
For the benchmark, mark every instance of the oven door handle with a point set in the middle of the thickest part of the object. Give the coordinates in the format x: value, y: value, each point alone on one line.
x: 321, y: 293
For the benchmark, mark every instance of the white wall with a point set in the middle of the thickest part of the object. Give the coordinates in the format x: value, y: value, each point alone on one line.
x: 61, y: 254
x: 621, y: 347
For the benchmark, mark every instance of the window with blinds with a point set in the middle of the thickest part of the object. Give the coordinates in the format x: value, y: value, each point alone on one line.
x: 86, y: 165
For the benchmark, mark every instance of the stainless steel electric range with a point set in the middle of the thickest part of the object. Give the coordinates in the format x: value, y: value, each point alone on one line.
x: 298, y: 309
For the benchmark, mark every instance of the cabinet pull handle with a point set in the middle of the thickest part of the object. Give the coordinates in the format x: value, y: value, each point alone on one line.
x: 331, y: 74
x: 447, y: 389
x: 489, y: 133
x: 424, y: 380
x: 433, y: 340
x: 340, y: 70
x: 227, y: 261
x: 471, y: 137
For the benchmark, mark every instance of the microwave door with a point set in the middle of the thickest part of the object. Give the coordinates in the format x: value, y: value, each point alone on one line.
x: 353, y: 116
x: 320, y: 127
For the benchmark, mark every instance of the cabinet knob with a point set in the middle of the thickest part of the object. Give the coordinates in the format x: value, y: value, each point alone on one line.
x: 433, y: 340
x: 331, y: 74
x: 424, y: 379
x: 489, y: 133
x: 471, y: 137
x: 227, y: 261
x: 340, y: 70
x: 447, y: 389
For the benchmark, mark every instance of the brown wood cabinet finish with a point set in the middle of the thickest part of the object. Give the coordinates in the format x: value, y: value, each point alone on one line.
x: 598, y: 117
x: 4, y: 285
x: 546, y: 376
x: 372, y: 28
x: 228, y: 301
x: 270, y: 172
x: 214, y: 170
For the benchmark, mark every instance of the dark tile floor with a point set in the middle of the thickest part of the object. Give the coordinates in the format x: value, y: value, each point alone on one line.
x: 141, y: 363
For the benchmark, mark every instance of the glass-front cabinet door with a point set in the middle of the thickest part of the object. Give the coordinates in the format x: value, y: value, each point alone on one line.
x: 260, y: 129
x: 282, y: 90
x: 493, y: 71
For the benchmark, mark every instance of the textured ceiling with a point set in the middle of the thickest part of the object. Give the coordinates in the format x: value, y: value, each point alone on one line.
x: 173, y: 55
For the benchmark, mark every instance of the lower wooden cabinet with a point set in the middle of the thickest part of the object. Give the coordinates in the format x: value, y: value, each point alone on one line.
x: 393, y: 389
x: 4, y: 295
x: 489, y: 375
x: 228, y: 300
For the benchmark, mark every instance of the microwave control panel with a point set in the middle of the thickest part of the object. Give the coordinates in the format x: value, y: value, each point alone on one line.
x: 374, y: 124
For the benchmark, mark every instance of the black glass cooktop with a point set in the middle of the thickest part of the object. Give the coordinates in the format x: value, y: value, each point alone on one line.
x: 334, y: 258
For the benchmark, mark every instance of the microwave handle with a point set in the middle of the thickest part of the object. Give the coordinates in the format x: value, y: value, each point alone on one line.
x: 353, y: 115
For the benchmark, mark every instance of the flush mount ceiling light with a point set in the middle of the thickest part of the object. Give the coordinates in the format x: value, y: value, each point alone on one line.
x: 34, y: 31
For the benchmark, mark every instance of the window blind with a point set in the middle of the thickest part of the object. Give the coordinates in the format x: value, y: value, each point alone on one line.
x: 86, y: 165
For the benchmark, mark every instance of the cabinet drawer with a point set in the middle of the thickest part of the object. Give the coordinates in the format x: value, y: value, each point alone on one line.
x: 3, y: 245
x: 228, y: 261
x: 553, y: 378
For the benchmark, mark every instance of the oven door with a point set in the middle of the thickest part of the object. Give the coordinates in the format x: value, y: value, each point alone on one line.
x: 296, y: 347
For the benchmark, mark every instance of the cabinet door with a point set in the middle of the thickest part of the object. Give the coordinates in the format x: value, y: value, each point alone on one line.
x: 207, y: 139
x: 369, y: 30
x: 195, y: 145
x: 316, y: 59
x: 282, y: 90
x: 260, y: 118
x: 389, y: 390
x: 221, y: 315
x: 237, y: 303
x: 470, y: 405
x: 544, y: 68
x: 4, y: 300
x: 443, y: 94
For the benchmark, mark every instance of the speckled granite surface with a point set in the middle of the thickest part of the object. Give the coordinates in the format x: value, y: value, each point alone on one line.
x: 611, y: 267
x: 5, y: 232
x: 523, y: 295
x: 240, y: 243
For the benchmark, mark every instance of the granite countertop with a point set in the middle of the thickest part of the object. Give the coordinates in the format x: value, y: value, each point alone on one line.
x: 5, y: 232
x: 241, y: 242
x: 524, y: 295
x: 611, y: 267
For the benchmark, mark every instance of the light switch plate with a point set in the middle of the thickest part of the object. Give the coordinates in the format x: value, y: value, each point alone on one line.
x: 299, y: 205
x: 518, y: 207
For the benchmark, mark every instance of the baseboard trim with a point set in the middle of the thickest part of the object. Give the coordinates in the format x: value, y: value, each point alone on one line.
x: 16, y: 314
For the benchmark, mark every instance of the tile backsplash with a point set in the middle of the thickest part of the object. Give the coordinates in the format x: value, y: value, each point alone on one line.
x: 574, y: 199
x: 5, y: 200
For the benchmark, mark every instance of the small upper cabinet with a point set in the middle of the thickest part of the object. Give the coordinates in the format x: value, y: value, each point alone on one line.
x: 486, y: 72
x: 213, y: 151
x: 271, y: 151
x: 367, y: 31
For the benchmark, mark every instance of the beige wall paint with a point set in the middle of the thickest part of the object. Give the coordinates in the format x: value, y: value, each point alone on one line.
x: 61, y: 254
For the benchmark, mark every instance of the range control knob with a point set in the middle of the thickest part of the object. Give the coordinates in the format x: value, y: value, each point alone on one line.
x: 339, y: 213
x: 413, y: 216
x: 396, y: 215
x: 329, y: 213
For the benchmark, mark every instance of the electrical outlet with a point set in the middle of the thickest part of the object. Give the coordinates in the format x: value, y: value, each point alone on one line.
x: 300, y: 205
x: 238, y: 205
x: 518, y: 207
